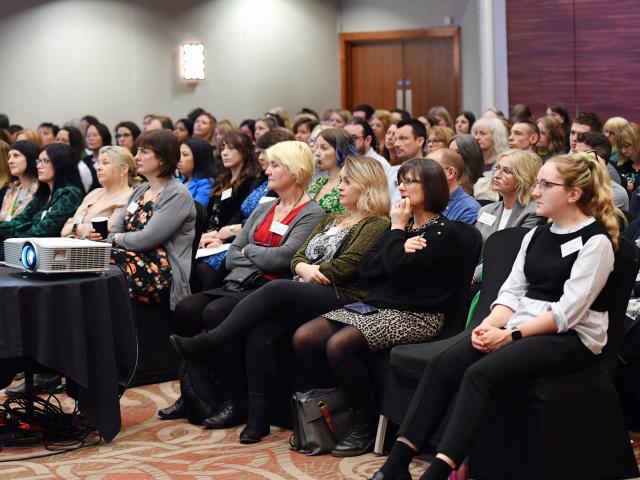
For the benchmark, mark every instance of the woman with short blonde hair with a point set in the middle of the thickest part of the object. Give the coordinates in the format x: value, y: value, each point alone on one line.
x: 117, y: 173
x: 612, y: 128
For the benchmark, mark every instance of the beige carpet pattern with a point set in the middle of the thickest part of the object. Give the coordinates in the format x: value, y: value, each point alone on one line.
x: 148, y: 448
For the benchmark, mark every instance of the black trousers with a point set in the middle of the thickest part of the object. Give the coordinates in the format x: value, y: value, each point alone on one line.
x: 479, y: 379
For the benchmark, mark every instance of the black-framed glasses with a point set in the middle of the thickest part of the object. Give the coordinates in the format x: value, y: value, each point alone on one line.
x: 543, y: 185
x: 407, y: 182
x: 42, y: 162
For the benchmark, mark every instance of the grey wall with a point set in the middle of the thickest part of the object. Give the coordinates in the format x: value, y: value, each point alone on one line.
x: 119, y: 60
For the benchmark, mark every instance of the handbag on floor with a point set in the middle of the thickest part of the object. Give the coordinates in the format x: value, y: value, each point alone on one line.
x: 321, y: 417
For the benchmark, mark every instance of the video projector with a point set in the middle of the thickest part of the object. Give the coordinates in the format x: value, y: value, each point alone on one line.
x: 57, y: 255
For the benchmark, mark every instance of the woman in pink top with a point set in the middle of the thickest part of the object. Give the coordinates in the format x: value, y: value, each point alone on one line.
x: 116, y: 173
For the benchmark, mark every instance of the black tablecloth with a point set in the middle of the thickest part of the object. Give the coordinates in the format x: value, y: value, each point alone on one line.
x: 79, y: 325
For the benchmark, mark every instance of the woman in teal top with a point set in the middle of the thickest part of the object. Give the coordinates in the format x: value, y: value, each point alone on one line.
x: 332, y: 147
x: 58, y: 196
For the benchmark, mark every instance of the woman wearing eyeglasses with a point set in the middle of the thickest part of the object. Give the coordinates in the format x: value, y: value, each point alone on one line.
x: 58, y: 195
x: 550, y: 318
x: 410, y: 275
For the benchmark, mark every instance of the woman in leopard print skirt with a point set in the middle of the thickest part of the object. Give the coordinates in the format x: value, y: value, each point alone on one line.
x: 410, y: 274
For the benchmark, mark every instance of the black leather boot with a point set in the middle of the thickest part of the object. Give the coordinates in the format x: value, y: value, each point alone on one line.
x: 173, y: 411
x: 360, y: 436
x: 257, y: 425
x: 231, y: 414
x: 198, y: 348
x: 42, y: 383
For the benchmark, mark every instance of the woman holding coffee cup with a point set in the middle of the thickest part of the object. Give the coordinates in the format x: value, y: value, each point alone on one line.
x: 116, y: 171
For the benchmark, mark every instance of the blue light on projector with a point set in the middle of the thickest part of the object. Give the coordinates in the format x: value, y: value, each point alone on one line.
x: 29, y: 257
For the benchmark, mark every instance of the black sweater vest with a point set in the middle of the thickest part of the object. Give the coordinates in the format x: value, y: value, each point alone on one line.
x: 545, y: 268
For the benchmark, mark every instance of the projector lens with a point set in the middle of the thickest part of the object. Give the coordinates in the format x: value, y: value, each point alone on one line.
x: 29, y: 257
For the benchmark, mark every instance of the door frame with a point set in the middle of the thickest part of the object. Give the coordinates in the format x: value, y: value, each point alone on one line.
x: 347, y: 40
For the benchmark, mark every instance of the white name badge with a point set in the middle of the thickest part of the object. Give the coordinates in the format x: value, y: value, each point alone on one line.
x: 571, y: 246
x: 133, y: 206
x: 226, y: 194
x: 279, y: 228
x: 78, y: 218
x: 267, y: 199
x: 487, y: 219
x: 43, y: 214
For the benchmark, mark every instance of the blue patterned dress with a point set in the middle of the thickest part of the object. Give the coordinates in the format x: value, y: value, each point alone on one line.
x: 248, y: 206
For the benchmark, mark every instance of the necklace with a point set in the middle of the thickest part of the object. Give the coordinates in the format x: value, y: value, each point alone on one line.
x: 415, y: 228
x: 277, y: 217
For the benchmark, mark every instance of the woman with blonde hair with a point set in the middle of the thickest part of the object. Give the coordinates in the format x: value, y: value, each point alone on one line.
x: 439, y: 137
x: 326, y: 277
x: 514, y: 179
x: 493, y: 138
x: 30, y: 135
x: 611, y: 129
x: 260, y: 253
x: 117, y: 173
x: 551, y: 141
x: 380, y: 122
x: 204, y: 127
x: 550, y: 318
x: 339, y: 118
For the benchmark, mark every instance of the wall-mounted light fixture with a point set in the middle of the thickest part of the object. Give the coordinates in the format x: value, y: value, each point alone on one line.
x: 192, y: 61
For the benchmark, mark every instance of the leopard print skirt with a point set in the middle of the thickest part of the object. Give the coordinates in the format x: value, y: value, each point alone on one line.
x: 388, y: 327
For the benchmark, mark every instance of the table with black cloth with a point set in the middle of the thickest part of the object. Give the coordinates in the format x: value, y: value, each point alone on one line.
x: 78, y: 325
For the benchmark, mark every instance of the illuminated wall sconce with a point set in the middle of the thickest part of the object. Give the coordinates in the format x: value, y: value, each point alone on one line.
x: 192, y: 61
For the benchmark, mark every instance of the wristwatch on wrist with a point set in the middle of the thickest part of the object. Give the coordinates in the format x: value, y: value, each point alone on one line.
x: 74, y: 229
x: 516, y: 334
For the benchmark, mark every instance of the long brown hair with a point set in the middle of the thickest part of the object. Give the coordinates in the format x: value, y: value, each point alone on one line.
x: 250, y: 168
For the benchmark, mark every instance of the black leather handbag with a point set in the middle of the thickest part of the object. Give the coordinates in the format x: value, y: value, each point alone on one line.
x: 321, y: 417
x: 242, y: 278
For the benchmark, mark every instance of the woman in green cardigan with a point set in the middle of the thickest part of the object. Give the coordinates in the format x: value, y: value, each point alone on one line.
x: 325, y: 270
x: 58, y: 196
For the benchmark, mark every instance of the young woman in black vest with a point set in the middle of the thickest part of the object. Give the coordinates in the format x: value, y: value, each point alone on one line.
x: 550, y: 318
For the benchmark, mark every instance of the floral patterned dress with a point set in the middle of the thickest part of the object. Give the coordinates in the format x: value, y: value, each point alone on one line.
x: 330, y: 202
x: 148, y: 273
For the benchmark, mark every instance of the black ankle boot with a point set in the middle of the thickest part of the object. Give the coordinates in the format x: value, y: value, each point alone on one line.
x: 173, y: 411
x: 360, y: 436
x: 231, y: 414
x: 198, y: 348
x: 257, y: 425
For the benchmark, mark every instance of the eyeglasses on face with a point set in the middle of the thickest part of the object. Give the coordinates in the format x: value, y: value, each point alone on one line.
x: 543, y: 185
x: 407, y: 182
x: 42, y: 162
x: 502, y: 170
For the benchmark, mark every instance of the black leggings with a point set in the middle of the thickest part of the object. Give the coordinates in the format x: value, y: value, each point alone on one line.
x: 480, y: 379
x: 207, y: 311
x: 331, y: 352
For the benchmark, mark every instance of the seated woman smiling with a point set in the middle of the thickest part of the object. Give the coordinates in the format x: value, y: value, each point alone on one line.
x: 116, y: 173
x: 326, y: 269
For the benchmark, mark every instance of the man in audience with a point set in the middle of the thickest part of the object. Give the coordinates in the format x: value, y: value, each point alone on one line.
x: 585, y: 122
x: 363, y: 111
x: 411, y: 136
x: 48, y: 132
x: 599, y: 143
x: 524, y: 135
x: 462, y: 206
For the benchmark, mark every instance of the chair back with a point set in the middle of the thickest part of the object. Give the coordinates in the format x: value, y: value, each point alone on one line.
x: 617, y: 290
x: 470, y: 248
x: 499, y: 254
x: 202, y: 221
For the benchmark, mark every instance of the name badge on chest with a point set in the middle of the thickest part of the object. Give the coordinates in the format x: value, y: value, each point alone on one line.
x: 226, y: 194
x: 278, y: 228
x: 487, y: 219
x: 133, y: 206
x: 266, y: 200
x: 571, y: 246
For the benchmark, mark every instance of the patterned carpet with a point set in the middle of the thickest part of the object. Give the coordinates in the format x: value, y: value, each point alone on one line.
x: 148, y: 448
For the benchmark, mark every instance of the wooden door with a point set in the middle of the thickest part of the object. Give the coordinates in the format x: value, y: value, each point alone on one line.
x: 409, y: 69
